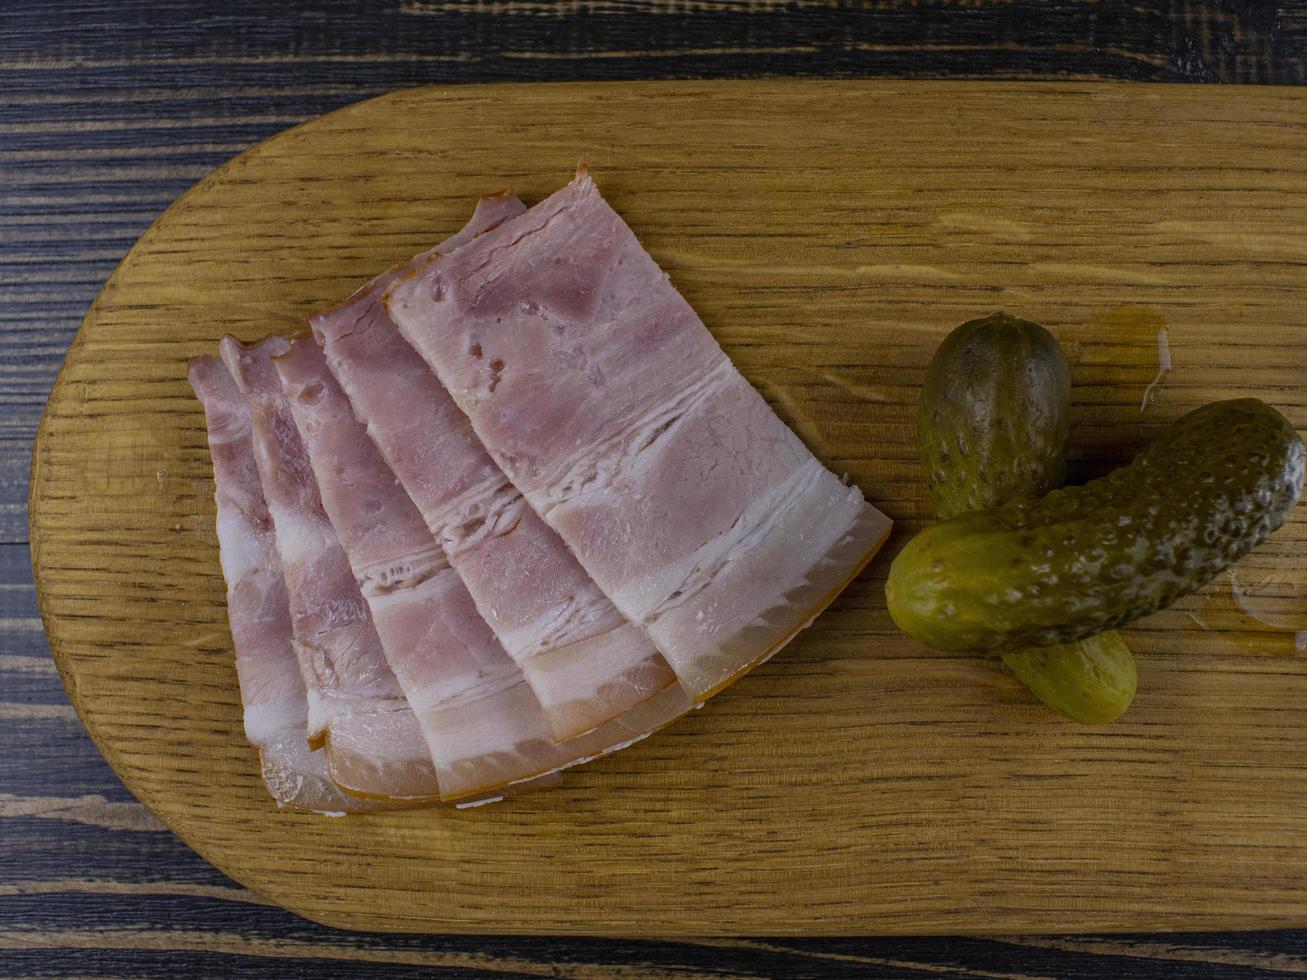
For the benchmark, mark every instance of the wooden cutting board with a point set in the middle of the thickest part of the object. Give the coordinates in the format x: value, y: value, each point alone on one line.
x: 829, y: 234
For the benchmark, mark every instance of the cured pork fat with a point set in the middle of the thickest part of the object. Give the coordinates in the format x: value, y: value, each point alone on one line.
x: 483, y: 723
x: 272, y: 690
x: 509, y: 508
x: 356, y: 709
x: 585, y: 662
x: 603, y: 397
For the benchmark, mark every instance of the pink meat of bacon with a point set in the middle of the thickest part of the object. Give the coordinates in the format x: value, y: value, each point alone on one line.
x: 586, y: 663
x: 272, y: 690
x: 373, y: 744
x: 482, y: 721
x: 604, y: 398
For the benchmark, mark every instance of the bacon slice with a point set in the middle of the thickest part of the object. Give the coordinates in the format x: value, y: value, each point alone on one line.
x: 585, y: 662
x: 373, y: 744
x: 484, y: 725
x: 272, y: 690
x: 607, y: 402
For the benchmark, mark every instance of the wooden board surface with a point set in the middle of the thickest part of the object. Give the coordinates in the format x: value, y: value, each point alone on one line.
x: 829, y: 234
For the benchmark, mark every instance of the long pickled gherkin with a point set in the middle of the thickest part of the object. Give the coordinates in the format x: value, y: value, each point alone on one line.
x: 1089, y: 558
x: 992, y: 424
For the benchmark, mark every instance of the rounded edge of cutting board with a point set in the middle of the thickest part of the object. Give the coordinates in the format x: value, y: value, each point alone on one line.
x: 729, y: 769
x: 106, y: 746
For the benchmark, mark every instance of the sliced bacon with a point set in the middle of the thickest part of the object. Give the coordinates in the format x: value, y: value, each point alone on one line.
x: 374, y: 746
x: 585, y: 662
x: 272, y: 690
x: 483, y: 723
x: 610, y: 406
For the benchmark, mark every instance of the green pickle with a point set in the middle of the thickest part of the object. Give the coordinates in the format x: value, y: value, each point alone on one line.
x: 1091, y: 681
x: 1090, y: 558
x: 994, y: 415
x: 992, y: 424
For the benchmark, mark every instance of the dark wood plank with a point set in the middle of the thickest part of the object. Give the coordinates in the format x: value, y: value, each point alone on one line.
x: 400, y: 43
x: 109, y: 109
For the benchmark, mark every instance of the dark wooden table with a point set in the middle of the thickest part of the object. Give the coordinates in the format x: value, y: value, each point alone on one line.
x: 109, y: 109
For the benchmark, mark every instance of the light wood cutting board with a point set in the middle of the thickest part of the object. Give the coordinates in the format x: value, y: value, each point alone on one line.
x: 829, y: 234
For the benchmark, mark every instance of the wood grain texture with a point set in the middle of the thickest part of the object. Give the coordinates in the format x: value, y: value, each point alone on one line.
x: 106, y: 123
x: 856, y: 784
x: 404, y: 42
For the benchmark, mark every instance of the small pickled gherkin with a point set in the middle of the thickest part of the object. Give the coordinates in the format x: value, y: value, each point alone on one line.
x: 992, y: 425
x: 1091, y: 681
x: 1094, y: 557
x: 994, y: 415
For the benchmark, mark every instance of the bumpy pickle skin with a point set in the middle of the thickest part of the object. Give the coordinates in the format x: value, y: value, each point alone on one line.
x: 992, y: 425
x: 994, y: 415
x: 1090, y: 558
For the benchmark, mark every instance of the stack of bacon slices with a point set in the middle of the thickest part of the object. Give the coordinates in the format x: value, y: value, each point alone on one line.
x: 505, y: 509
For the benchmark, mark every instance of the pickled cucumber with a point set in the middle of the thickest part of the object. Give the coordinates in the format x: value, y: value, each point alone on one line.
x: 992, y: 426
x: 1091, y: 681
x: 1085, y: 559
x: 994, y: 415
